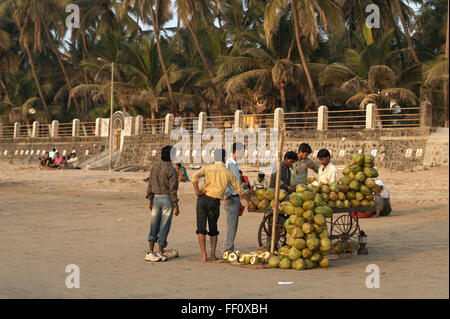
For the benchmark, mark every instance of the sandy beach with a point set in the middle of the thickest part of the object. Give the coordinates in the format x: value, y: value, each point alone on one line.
x: 99, y: 221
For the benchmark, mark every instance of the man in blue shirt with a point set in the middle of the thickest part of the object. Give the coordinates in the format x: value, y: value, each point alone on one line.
x: 232, y: 200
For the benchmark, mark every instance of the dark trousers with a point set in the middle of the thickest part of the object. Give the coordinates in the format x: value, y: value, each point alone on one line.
x: 208, y: 211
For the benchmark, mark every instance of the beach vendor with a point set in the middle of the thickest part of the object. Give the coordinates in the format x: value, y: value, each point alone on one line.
x: 327, y: 171
x: 382, y: 200
x: 299, y: 170
x: 285, y: 180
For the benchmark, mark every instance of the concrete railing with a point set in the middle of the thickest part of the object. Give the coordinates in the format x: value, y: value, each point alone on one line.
x: 321, y: 120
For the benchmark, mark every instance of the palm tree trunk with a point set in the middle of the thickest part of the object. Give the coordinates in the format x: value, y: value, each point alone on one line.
x: 300, y: 51
x: 61, y: 65
x: 405, y: 29
x: 86, y: 81
x: 446, y: 101
x: 178, y: 33
x: 36, y: 79
x: 6, y: 91
x: 199, y: 49
x: 283, y: 98
x: 163, y: 65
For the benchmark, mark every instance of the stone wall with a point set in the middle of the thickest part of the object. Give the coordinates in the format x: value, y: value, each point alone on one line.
x: 28, y: 150
x: 400, y: 149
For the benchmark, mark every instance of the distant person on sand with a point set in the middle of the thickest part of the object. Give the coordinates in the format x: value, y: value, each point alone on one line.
x: 45, y: 161
x: 182, y: 173
x: 327, y: 171
x: 58, y: 162
x: 259, y: 183
x: 73, y: 162
x: 52, y: 154
x: 217, y: 177
x: 163, y: 203
x: 382, y: 199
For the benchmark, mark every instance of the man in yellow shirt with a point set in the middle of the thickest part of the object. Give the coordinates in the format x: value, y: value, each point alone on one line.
x: 217, y: 177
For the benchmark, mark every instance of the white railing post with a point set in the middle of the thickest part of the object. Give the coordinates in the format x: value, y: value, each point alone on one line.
x: 139, y: 127
x: 35, y: 131
x: 168, y: 125
x: 371, y: 110
x: 98, y: 126
x: 278, y: 118
x: 238, y: 120
x: 202, y: 122
x: 16, y: 129
x: 322, y: 118
x: 55, y: 129
x: 75, y: 127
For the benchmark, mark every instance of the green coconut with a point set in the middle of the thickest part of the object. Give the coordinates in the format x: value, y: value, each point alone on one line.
x: 307, y: 195
x: 294, y: 253
x: 306, y: 252
x: 300, y: 243
x: 354, y: 185
x: 274, y: 261
x: 296, y: 200
x: 319, y: 220
x: 300, y: 188
x: 285, y: 263
x: 307, y: 228
x: 298, y: 264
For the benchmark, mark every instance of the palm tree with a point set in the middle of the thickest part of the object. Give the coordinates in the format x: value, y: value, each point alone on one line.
x: 305, y: 17
x: 405, y: 29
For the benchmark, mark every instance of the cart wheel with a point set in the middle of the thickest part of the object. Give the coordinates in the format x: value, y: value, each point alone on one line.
x: 345, y: 236
x: 265, y: 232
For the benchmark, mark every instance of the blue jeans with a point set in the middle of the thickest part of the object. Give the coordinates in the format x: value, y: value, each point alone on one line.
x: 232, y: 207
x: 160, y: 220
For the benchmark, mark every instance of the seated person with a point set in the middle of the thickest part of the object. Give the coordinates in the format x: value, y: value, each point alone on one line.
x: 58, y: 162
x: 382, y: 199
x: 45, y: 161
x: 327, y: 171
x: 182, y: 173
x: 259, y: 183
x: 72, y: 162
x: 244, y: 180
x: 289, y: 159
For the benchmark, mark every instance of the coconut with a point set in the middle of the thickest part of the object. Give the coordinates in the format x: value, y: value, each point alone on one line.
x: 325, y: 244
x: 300, y: 243
x: 274, y: 261
x: 324, y: 234
x: 312, y: 243
x: 340, y: 196
x: 296, y: 200
x: 319, y: 220
x: 355, y: 169
x: 324, y: 189
x: 360, y: 177
x: 334, y: 187
x: 346, y: 171
x: 315, y: 258
x: 255, y: 260
x: 339, y: 204
x: 297, y: 232
x: 311, y: 179
x: 345, y: 180
x: 255, y: 201
x: 369, y: 182
x: 306, y: 228
x: 351, y: 195
x: 309, y: 264
x: 324, y: 262
x: 283, y: 251
x: 270, y: 194
x: 232, y: 257
x: 346, y: 203
x: 355, y: 203
x: 308, y: 205
x: 294, y: 253
x: 365, y: 203
x: 282, y: 195
x: 299, y: 221
x: 318, y: 198
x: 365, y: 190
x: 263, y: 204
x: 307, y: 195
x: 306, y: 252
x: 225, y: 255
x: 331, y: 203
x: 317, y: 229
x: 308, y: 216
x: 285, y: 263
x: 354, y: 185
x: 359, y: 196
x: 289, y: 209
x: 265, y: 256
x: 298, y: 264
x: 333, y: 196
x: 300, y: 188
x: 260, y: 193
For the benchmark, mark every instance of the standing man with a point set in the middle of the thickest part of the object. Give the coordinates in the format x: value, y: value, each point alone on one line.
x: 232, y: 200
x: 327, y: 171
x: 162, y: 194
x: 217, y: 177
x: 285, y: 180
x: 299, y: 171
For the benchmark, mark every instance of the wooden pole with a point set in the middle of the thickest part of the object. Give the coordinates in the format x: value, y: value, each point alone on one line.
x: 277, y: 189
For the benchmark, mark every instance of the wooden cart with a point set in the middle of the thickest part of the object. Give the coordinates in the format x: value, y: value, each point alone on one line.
x: 343, y: 228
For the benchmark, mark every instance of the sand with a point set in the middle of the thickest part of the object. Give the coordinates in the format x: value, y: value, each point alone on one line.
x: 99, y: 221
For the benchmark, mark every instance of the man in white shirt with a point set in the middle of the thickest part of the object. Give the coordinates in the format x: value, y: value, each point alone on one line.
x: 232, y: 200
x: 327, y: 171
x: 382, y: 199
x: 52, y: 154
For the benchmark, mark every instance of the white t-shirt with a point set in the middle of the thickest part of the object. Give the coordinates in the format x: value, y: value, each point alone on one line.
x: 328, y: 174
x: 52, y: 154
